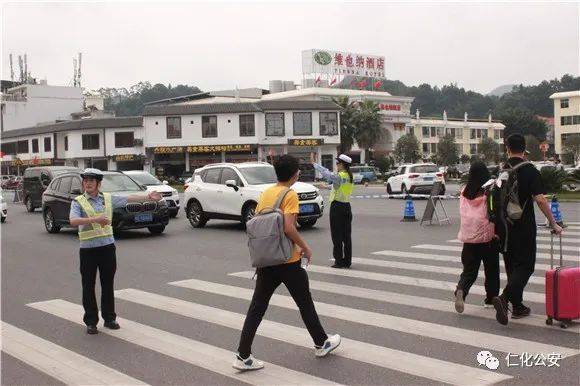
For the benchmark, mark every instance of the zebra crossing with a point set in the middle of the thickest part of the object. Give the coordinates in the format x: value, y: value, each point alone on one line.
x: 371, y: 279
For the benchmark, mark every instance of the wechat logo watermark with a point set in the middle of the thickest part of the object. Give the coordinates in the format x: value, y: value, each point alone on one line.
x: 486, y: 358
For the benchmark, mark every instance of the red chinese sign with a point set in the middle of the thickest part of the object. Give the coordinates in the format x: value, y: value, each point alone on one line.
x: 384, y: 106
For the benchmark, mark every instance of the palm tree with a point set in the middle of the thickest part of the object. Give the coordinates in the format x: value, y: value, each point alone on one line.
x: 368, y: 130
x: 347, y: 128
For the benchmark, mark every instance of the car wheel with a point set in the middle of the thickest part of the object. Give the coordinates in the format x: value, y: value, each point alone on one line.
x: 173, y: 214
x: 50, y: 222
x: 249, y: 212
x: 157, y: 229
x: 306, y: 224
x: 195, y: 215
x: 29, y: 205
x: 389, y: 189
x: 364, y: 181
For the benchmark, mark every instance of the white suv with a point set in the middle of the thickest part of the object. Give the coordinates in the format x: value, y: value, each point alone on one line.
x: 230, y: 191
x: 412, y: 178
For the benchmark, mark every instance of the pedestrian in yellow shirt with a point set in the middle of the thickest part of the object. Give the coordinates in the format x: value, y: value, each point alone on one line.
x: 290, y: 273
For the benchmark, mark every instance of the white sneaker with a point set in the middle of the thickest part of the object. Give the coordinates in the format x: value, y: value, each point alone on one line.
x: 329, y: 345
x: 250, y: 363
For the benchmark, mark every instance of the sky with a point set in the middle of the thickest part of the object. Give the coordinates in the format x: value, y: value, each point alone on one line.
x: 221, y: 45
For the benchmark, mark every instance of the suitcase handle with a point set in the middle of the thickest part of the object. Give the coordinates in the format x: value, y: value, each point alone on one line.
x: 552, y: 250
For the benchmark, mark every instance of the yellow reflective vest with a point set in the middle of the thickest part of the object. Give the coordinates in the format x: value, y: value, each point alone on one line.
x: 342, y: 194
x: 97, y: 229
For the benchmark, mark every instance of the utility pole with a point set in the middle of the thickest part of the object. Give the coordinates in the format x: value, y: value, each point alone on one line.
x: 25, y: 69
x: 79, y: 69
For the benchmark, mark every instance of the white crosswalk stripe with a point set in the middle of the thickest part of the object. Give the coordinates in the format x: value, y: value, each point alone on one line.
x: 59, y: 363
x: 567, y: 233
x: 448, y: 258
x: 407, y: 280
x: 454, y: 248
x: 188, y: 350
x: 410, y: 326
x: 433, y: 369
x: 428, y: 268
x: 540, y: 238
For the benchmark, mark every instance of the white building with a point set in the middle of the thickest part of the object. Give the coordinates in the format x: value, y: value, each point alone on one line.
x: 467, y: 133
x: 566, y: 117
x: 31, y: 104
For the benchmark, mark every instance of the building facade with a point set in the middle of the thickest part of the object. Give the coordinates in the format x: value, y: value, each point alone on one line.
x: 566, y: 117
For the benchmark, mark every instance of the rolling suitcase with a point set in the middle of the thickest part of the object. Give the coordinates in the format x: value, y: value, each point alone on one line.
x: 562, y: 291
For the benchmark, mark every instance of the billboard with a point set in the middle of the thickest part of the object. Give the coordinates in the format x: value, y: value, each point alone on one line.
x: 327, y: 62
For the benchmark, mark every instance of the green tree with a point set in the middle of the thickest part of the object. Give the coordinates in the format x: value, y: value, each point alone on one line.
x: 447, y: 151
x: 533, y: 146
x: 408, y: 149
x: 368, y: 126
x: 489, y: 150
x: 347, y: 123
x: 464, y: 158
x: 523, y: 122
x: 571, y: 146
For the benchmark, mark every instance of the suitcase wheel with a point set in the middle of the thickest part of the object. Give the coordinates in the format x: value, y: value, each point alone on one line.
x: 549, y: 321
x: 563, y: 325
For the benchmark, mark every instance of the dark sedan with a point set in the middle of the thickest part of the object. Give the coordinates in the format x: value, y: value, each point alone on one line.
x: 57, y: 198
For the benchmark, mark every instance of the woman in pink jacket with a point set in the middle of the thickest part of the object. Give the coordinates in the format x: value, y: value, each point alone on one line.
x: 478, y: 236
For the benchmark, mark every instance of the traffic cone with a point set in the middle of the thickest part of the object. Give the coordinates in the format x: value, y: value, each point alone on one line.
x: 555, y: 209
x: 409, y: 214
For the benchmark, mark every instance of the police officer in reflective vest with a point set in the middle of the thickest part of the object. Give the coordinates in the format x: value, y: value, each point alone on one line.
x: 92, y: 213
x: 340, y: 211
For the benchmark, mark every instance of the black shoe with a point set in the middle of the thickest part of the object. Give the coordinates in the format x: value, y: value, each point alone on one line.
x: 488, y: 303
x: 337, y: 266
x: 112, y: 325
x: 459, y: 301
x: 521, y: 311
x: 92, y: 330
x: 501, y: 310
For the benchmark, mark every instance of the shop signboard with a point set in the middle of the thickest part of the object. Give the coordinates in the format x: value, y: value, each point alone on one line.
x: 124, y: 157
x: 319, y: 61
x: 220, y: 148
x: 31, y: 162
x: 168, y: 149
x: 306, y: 142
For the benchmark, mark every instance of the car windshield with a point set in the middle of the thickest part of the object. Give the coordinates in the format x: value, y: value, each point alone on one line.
x: 119, y: 183
x: 145, y: 179
x: 425, y: 169
x: 61, y: 171
x: 259, y: 175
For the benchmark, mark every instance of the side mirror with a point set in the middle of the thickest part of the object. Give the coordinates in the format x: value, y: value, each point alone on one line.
x: 76, y: 192
x: 232, y: 184
x: 165, y: 182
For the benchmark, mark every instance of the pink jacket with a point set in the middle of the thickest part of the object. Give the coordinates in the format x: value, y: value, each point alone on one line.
x: 475, y: 226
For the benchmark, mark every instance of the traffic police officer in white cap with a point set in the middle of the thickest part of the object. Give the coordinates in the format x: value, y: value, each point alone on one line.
x: 340, y: 211
x: 92, y: 213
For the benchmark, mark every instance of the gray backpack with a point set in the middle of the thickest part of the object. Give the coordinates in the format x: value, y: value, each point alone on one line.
x: 510, y: 194
x: 267, y: 241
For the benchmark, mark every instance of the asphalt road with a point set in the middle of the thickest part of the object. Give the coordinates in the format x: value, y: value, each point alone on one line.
x: 394, y: 308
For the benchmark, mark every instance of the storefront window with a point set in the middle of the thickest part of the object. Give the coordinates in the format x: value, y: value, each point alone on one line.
x: 209, y: 126
x: 275, y: 124
x: 247, y: 125
x: 302, y: 123
x: 90, y: 141
x: 173, y: 127
x: 35, y: 145
x: 23, y: 146
x: 328, y: 124
x: 47, y: 144
x: 124, y: 139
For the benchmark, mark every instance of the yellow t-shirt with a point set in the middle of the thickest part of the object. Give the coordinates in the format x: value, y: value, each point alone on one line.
x: 289, y: 205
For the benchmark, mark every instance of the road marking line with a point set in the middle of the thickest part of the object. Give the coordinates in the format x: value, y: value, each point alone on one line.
x: 539, y: 246
x: 389, y: 322
x: 430, y: 268
x: 541, y: 238
x: 188, y: 350
x: 58, y: 362
x: 427, y: 256
x: 454, y: 248
x: 433, y: 369
x: 412, y: 281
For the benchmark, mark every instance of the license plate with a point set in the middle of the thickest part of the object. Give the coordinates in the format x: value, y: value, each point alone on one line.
x: 144, y: 217
x: 307, y: 208
x: 428, y: 178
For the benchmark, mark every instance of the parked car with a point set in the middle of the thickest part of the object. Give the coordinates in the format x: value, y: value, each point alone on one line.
x: 14, y: 182
x: 413, y: 178
x: 151, y: 183
x: 231, y: 191
x: 3, y: 207
x: 363, y: 174
x: 36, y: 179
x: 57, y: 198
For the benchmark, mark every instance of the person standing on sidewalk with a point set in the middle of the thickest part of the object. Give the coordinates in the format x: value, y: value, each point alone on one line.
x: 92, y: 213
x: 340, y: 210
x: 290, y: 273
x: 478, y: 236
x: 520, y: 238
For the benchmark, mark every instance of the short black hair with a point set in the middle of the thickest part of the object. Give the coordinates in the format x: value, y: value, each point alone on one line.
x: 286, y: 166
x: 516, y: 143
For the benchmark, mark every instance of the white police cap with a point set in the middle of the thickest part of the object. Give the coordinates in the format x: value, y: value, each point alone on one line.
x: 92, y: 173
x: 344, y: 158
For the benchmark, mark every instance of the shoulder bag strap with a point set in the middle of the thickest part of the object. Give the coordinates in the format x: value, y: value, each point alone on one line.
x: 281, y: 198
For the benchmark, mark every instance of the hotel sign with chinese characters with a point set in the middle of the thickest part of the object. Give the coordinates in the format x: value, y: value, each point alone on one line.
x: 317, y: 61
x: 306, y: 142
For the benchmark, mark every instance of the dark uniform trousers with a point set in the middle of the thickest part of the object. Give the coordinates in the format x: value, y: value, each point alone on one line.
x: 520, y: 261
x: 340, y: 230
x: 104, y: 260
x: 471, y: 257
